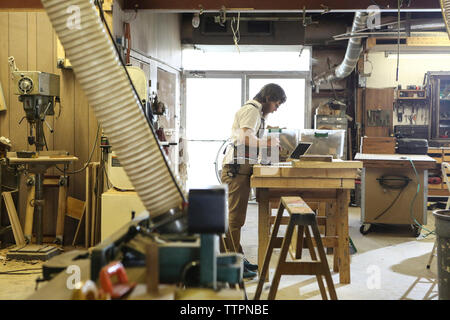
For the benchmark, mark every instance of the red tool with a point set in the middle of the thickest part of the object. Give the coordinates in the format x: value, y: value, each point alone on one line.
x: 116, y: 290
x: 434, y: 180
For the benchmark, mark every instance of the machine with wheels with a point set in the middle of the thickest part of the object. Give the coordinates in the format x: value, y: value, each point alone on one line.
x: 394, y: 190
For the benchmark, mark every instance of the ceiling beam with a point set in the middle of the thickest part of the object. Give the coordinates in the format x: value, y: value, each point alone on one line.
x: 23, y: 4
x: 270, y: 5
x: 33, y: 4
x: 242, y: 5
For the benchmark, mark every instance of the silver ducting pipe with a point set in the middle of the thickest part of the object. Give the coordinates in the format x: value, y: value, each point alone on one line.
x: 117, y: 108
x: 352, y: 54
x: 445, y: 7
x: 419, y: 25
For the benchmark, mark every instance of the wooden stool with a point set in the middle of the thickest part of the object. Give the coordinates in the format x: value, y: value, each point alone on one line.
x: 301, y: 216
x: 326, y: 217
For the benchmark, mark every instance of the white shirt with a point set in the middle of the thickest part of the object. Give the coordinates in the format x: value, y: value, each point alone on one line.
x: 248, y: 116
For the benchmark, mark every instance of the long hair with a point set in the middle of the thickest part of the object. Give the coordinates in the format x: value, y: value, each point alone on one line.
x: 272, y: 91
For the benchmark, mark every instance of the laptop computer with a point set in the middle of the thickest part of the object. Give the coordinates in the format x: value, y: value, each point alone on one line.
x: 300, y: 149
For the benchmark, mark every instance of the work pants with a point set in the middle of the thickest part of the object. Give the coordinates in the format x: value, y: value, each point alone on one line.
x: 238, y: 195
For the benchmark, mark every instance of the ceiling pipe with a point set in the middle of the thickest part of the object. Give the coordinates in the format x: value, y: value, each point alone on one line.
x: 419, y: 25
x: 352, y: 54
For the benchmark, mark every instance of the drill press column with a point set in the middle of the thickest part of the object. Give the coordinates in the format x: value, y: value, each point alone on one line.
x: 38, y: 207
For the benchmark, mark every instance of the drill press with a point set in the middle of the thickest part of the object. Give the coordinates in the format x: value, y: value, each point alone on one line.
x: 38, y: 91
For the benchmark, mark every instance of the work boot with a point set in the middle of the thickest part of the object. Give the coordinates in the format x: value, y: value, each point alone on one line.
x: 250, y: 266
x: 248, y: 274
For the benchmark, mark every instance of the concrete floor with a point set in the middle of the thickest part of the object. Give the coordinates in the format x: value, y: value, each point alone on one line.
x: 390, y: 264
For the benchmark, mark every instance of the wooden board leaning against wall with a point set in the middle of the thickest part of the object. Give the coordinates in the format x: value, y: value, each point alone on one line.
x: 30, y: 38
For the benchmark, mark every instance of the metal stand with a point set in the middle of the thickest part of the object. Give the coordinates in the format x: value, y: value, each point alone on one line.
x: 432, y: 254
x: 38, y: 251
x: 38, y: 166
x: 38, y: 92
x: 33, y: 252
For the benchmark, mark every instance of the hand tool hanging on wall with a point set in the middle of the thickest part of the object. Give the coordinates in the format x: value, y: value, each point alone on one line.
x: 399, y: 114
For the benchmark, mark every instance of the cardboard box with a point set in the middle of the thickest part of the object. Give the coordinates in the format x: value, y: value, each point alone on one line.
x: 378, y: 145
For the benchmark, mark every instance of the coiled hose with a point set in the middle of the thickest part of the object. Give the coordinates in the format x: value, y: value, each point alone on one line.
x: 109, y: 92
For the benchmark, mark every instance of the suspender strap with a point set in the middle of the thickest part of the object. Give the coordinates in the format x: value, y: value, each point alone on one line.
x: 263, y: 121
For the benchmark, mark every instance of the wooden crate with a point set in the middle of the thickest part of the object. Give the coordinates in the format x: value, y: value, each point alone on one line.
x: 378, y: 145
x: 438, y: 154
x: 446, y: 154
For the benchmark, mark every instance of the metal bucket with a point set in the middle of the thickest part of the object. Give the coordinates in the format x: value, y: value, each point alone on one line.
x: 442, y: 221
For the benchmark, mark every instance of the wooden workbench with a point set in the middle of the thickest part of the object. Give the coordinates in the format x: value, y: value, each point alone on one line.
x: 41, y: 159
x: 315, y: 182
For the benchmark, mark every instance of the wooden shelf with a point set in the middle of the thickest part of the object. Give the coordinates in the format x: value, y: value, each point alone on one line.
x: 411, y: 94
x: 438, y: 192
x: 411, y: 98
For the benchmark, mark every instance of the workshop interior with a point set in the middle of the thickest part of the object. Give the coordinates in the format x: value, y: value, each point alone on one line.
x: 116, y: 117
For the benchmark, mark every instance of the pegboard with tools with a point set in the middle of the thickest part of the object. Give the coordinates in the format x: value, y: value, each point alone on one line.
x: 378, y: 118
x: 411, y: 112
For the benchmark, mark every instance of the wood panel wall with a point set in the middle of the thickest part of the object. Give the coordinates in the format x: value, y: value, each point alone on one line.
x: 30, y: 38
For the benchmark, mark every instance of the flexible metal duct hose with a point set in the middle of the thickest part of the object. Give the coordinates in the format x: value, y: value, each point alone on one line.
x: 352, y: 54
x: 445, y: 7
x: 108, y: 90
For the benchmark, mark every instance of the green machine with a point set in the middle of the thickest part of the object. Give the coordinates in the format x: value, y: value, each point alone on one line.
x: 187, y: 242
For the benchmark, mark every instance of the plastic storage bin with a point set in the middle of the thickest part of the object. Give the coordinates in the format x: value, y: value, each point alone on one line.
x: 325, y: 142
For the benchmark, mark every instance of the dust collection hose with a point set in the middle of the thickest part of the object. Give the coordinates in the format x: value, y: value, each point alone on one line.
x: 445, y: 8
x: 109, y: 92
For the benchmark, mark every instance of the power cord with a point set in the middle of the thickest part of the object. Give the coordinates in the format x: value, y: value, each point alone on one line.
x: 236, y: 33
x: 216, y: 162
x: 89, y: 160
x: 412, y: 202
x: 20, y: 271
x: 384, y: 182
x: 399, y: 3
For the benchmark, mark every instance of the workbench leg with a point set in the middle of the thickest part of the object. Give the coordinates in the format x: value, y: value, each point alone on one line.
x: 263, y: 226
x: 62, y: 201
x: 343, y: 197
x: 331, y: 231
